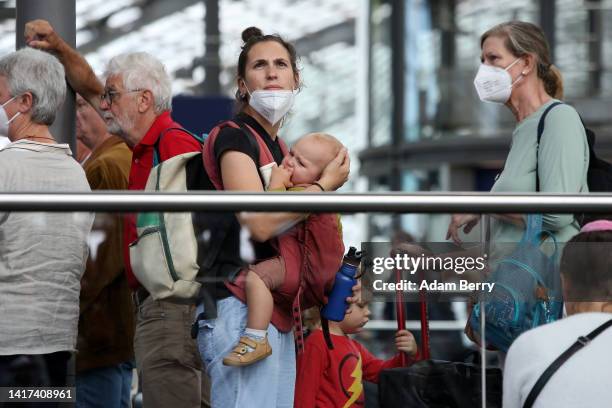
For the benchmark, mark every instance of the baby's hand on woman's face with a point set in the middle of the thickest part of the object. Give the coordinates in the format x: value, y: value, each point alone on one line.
x: 280, y: 178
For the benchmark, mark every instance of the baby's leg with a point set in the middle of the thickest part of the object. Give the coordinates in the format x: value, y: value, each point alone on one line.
x: 259, y: 303
x: 260, y: 280
x: 253, y: 345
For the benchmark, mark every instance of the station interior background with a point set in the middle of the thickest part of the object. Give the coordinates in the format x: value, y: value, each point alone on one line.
x: 392, y: 79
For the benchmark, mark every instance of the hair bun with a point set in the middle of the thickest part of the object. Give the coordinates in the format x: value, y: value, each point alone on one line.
x: 251, y: 32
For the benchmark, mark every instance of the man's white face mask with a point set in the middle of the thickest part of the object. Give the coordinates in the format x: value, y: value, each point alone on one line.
x: 272, y: 105
x: 494, y: 84
x: 4, y: 119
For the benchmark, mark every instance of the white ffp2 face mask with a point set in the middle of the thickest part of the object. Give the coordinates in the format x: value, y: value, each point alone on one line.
x: 272, y: 105
x: 494, y: 84
x: 4, y: 120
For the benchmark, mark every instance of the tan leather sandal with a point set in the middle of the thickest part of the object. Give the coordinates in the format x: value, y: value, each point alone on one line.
x: 242, y: 356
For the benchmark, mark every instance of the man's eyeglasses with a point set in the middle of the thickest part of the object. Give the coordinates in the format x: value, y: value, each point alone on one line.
x: 109, y: 96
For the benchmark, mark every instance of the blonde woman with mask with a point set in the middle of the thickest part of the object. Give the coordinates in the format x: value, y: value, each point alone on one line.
x: 516, y: 71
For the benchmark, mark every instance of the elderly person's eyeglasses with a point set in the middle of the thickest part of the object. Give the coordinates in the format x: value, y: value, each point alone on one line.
x: 109, y: 96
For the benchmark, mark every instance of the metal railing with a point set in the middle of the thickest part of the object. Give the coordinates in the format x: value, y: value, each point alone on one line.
x: 214, y: 201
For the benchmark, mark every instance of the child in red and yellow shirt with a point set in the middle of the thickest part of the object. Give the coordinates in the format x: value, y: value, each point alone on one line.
x: 334, y: 378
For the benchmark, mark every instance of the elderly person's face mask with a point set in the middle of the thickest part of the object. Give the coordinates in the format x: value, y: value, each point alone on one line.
x: 4, y: 119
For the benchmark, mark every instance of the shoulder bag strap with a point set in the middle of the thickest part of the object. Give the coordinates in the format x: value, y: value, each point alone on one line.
x: 540, y: 132
x: 532, y: 230
x: 555, y: 365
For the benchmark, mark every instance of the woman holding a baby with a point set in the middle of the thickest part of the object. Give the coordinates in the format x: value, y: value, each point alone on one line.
x: 267, y: 80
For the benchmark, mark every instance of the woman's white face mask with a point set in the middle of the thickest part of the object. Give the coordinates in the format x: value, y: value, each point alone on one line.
x: 272, y: 105
x: 494, y: 84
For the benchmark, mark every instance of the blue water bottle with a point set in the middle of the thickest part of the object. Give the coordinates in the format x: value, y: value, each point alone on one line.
x: 336, y: 306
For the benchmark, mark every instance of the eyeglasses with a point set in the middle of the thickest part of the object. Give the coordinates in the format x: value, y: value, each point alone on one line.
x: 109, y: 96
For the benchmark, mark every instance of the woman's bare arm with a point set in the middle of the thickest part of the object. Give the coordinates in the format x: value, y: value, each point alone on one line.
x: 239, y: 173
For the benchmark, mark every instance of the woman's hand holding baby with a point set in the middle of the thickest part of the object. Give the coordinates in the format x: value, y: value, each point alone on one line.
x: 336, y: 172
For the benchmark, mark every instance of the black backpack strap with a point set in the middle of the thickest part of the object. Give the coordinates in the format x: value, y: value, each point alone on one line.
x: 555, y: 365
x: 540, y: 132
x: 157, y: 156
x: 326, y: 335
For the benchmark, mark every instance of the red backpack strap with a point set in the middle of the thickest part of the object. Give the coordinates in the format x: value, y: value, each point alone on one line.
x: 210, y: 160
x: 265, y: 155
x: 283, y: 147
x: 208, y: 154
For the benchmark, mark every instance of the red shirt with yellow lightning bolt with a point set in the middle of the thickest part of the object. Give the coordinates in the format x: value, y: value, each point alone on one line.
x: 334, y: 378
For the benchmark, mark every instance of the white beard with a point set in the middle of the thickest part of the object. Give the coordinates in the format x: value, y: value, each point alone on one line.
x: 119, y: 126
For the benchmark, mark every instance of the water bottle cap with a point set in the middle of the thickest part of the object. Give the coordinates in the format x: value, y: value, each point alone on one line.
x: 353, y: 257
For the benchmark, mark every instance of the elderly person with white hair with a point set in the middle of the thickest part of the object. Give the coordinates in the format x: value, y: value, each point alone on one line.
x: 42, y: 255
x: 135, y: 102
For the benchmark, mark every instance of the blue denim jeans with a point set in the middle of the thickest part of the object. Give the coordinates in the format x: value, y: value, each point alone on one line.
x: 267, y: 383
x: 107, y: 387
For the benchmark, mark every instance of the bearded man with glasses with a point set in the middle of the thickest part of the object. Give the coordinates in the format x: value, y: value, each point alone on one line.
x: 135, y: 103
